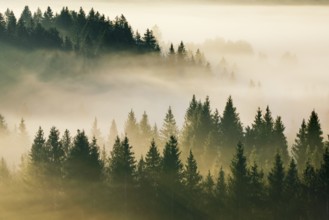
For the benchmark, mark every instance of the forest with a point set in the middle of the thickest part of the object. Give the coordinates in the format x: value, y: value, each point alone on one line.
x: 62, y: 68
x: 213, y: 168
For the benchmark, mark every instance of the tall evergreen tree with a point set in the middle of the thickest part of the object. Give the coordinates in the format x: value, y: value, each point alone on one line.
x: 38, y: 152
x: 153, y: 165
x: 314, y: 138
x: 191, y: 176
x: 66, y: 142
x: 132, y: 129
x: 276, y: 187
x: 56, y: 154
x: 145, y: 131
x: 113, y: 133
x: 169, y: 127
x: 231, y: 131
x: 280, y: 140
x: 239, y: 182
x: 292, y: 191
x: 299, y: 148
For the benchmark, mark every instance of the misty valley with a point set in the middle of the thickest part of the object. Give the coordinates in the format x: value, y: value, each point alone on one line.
x: 99, y: 120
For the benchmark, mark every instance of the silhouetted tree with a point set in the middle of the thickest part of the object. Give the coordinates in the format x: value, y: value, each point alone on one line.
x: 299, y: 149
x: 169, y: 127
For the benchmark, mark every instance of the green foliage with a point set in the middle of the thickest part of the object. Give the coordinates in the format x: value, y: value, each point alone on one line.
x: 169, y: 127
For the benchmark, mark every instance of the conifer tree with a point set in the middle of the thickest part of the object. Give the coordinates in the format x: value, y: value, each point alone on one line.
x: 276, y: 187
x: 292, y: 191
x: 132, y: 129
x: 280, y: 140
x: 169, y: 127
x: 145, y: 131
x: 257, y: 189
x: 66, y: 142
x: 113, y: 134
x: 192, y: 177
x: 239, y: 182
x: 231, y: 131
x: 153, y: 165
x: 122, y: 163
x: 300, y: 147
x: 38, y: 151
x: 314, y: 138
x: 22, y: 131
x: 56, y: 154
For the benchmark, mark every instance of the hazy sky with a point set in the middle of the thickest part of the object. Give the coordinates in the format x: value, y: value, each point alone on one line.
x: 291, y: 91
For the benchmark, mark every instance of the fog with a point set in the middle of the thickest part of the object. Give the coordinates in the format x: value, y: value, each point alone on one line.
x: 284, y: 66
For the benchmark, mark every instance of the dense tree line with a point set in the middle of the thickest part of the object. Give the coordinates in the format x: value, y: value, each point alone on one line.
x: 260, y: 180
x: 90, y: 34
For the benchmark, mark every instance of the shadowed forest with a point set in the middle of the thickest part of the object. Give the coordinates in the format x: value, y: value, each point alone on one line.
x: 213, y: 169
x: 211, y: 166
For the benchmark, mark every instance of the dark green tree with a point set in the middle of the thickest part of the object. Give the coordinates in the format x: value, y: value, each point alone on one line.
x: 231, y: 131
x: 299, y: 149
x: 280, y: 140
x: 191, y: 176
x: 292, y: 192
x: 276, y: 187
x: 314, y: 138
x: 239, y: 183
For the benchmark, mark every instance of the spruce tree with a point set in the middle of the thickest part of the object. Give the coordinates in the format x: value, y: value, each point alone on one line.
x: 276, y: 187
x: 113, y: 134
x: 239, y: 182
x: 314, y: 138
x: 132, y: 129
x: 145, y: 131
x: 38, y: 152
x: 191, y: 176
x: 300, y: 147
x: 231, y: 131
x: 280, y: 140
x: 66, y: 142
x: 257, y: 189
x: 169, y: 127
x: 292, y: 191
x: 153, y: 165
x: 56, y: 154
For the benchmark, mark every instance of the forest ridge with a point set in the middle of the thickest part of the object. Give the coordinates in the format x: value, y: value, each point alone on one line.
x: 261, y: 181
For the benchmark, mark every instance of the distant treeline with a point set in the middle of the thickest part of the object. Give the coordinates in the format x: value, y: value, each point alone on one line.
x: 64, y: 176
x: 89, y: 34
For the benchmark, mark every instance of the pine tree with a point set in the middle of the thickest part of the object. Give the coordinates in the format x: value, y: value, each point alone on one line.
x: 38, y: 152
x: 56, y: 154
x: 171, y: 163
x: 257, y: 189
x: 96, y: 132
x: 169, y: 127
x: 132, y: 129
x: 22, y: 131
x: 181, y: 52
x: 231, y: 131
x: 324, y: 183
x: 113, y: 134
x: 221, y: 188
x: 26, y: 17
x: 292, y: 191
x: 95, y: 164
x: 81, y: 165
x: 122, y: 163
x: 300, y: 146
x: 66, y: 142
x: 276, y: 187
x: 192, y: 177
x: 280, y: 140
x: 314, y: 138
x: 239, y: 182
x: 145, y: 131
x: 153, y: 165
